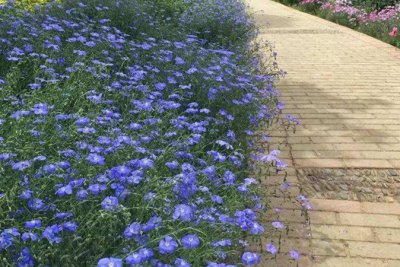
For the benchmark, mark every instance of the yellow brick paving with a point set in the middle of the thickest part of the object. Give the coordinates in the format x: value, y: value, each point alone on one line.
x: 345, y: 88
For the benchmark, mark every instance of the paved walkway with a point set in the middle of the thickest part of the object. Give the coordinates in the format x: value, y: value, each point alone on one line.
x: 345, y: 88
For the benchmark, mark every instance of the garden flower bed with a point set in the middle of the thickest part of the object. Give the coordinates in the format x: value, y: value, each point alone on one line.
x: 379, y: 19
x: 124, y: 133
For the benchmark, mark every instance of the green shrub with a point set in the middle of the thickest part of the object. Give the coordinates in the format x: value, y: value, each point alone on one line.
x: 289, y: 2
x: 219, y: 21
x: 370, y: 5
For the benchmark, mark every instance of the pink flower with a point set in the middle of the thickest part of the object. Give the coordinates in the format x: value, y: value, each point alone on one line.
x: 393, y: 33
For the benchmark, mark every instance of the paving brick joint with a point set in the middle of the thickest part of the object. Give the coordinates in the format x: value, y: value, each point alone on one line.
x: 344, y: 86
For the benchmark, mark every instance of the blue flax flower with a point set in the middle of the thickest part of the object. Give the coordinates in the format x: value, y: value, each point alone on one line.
x: 134, y: 258
x: 183, y: 212
x: 109, y: 203
x: 181, y: 263
x: 167, y: 245
x: 271, y: 248
x: 190, y: 241
x: 95, y: 159
x: 294, y: 254
x: 64, y: 190
x: 70, y: 226
x: 146, y: 253
x: 29, y: 235
x: 6, y: 240
x: 36, y: 204
x: 250, y: 258
x: 25, y: 258
x: 110, y: 262
x: 132, y: 230
x: 40, y: 109
x: 51, y: 232
x: 22, y: 165
x: 33, y: 224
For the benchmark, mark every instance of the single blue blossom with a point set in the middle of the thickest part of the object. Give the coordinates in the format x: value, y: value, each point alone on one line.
x: 132, y: 230
x: 294, y: 254
x: 95, y: 159
x: 183, y: 212
x: 190, y: 241
x: 271, y: 248
x: 110, y: 203
x: 25, y: 258
x: 167, y: 245
x: 33, y: 224
x: 250, y: 258
x: 134, y: 258
x: 181, y: 263
x: 146, y: 253
x: 110, y: 262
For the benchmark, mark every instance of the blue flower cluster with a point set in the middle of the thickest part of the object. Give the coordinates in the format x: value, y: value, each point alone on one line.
x: 125, y: 142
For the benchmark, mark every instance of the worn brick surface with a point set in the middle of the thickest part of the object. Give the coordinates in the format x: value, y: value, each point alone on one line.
x: 376, y: 220
x: 342, y: 232
x: 380, y: 208
x: 344, y: 86
x: 282, y: 260
x: 387, y: 235
x: 353, y: 262
x: 323, y: 247
x: 323, y: 217
x: 374, y: 250
x: 336, y: 205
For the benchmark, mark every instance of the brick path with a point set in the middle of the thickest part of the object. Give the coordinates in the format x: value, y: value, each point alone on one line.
x: 345, y: 88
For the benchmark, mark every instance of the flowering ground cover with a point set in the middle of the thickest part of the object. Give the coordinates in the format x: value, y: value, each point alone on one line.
x: 379, y: 19
x: 125, y: 132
